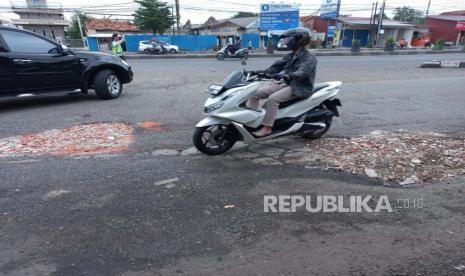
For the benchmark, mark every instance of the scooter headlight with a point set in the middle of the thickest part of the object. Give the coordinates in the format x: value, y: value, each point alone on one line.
x: 213, y: 107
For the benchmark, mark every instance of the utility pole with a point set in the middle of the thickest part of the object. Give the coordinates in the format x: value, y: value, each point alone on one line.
x: 80, y: 27
x: 172, y: 16
x: 380, y: 22
x: 371, y: 16
x: 178, y: 17
x: 427, y: 9
x: 338, y: 9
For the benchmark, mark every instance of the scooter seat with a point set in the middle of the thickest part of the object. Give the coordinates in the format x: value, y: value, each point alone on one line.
x: 316, y: 87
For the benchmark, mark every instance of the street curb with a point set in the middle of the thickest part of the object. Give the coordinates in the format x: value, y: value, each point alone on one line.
x: 381, y: 53
x: 443, y: 64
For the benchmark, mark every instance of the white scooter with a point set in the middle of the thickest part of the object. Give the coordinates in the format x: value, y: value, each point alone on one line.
x: 229, y: 119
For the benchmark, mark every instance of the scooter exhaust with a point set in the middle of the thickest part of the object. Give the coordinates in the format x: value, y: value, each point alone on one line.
x: 313, y: 126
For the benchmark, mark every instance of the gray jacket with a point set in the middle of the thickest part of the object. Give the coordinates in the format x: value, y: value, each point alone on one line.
x: 301, y: 68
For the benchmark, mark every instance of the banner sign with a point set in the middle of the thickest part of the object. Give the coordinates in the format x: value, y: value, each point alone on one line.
x: 331, y: 31
x: 460, y: 26
x: 279, y: 16
x: 328, y: 8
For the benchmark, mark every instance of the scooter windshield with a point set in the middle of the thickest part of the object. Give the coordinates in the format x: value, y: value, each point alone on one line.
x: 234, y: 79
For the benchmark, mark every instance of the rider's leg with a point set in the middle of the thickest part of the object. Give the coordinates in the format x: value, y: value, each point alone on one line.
x: 262, y: 93
x: 272, y: 107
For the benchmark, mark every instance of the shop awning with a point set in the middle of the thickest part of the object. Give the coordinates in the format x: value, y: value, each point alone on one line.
x: 460, y: 26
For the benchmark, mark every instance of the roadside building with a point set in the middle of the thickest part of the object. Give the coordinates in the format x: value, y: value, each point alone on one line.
x: 100, y: 31
x: 40, y: 17
x: 227, y: 30
x: 449, y: 26
x: 362, y: 29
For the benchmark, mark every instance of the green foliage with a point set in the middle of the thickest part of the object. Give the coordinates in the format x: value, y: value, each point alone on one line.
x: 270, y: 46
x: 439, y: 45
x: 270, y: 43
x: 73, y: 30
x: 153, y: 15
x: 370, y: 44
x: 356, y: 42
x: 312, y: 45
x: 390, y: 41
x: 244, y: 14
x: 408, y: 14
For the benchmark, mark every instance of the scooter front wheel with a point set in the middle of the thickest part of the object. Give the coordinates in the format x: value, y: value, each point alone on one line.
x: 215, y: 139
x: 221, y: 56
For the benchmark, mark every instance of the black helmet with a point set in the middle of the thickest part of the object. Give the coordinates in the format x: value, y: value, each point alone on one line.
x: 296, y: 37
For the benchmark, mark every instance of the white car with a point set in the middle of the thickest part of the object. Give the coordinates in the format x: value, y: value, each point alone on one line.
x: 144, y: 44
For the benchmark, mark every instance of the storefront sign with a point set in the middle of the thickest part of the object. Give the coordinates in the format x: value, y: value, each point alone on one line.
x: 279, y: 16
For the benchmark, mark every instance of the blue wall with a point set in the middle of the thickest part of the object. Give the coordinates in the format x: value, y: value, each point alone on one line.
x: 255, y: 38
x: 92, y: 42
x: 185, y: 42
x: 349, y: 35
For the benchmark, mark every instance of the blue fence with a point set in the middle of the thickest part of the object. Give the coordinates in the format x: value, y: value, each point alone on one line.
x: 185, y: 42
x: 92, y: 42
x: 254, y: 38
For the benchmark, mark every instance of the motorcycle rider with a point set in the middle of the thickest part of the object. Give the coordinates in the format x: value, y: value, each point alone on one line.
x: 235, y: 46
x: 293, y: 76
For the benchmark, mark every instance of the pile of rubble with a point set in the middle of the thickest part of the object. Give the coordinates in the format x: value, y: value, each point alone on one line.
x: 401, y: 157
x: 98, y: 138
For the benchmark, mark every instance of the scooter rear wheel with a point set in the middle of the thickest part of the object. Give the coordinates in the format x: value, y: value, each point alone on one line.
x: 216, y: 139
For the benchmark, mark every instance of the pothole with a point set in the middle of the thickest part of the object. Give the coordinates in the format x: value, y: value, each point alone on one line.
x: 88, y: 139
x: 402, y: 157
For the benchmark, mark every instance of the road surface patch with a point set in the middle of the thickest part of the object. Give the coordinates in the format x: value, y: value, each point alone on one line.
x: 402, y: 157
x: 154, y: 126
x: 88, y: 139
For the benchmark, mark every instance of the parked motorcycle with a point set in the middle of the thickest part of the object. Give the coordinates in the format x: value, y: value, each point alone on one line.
x: 229, y: 120
x: 225, y: 53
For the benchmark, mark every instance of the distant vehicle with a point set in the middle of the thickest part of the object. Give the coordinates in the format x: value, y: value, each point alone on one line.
x: 31, y: 64
x: 145, y: 45
x: 225, y: 53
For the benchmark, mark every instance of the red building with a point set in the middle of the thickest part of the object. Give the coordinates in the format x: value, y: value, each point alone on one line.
x: 316, y: 23
x: 449, y: 26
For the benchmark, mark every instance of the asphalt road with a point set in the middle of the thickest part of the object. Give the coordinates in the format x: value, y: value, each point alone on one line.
x: 115, y: 220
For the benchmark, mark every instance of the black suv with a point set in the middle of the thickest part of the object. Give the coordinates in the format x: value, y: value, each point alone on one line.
x: 32, y: 64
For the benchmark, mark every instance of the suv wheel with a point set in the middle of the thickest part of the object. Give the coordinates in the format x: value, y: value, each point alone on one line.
x: 173, y: 51
x: 107, y: 85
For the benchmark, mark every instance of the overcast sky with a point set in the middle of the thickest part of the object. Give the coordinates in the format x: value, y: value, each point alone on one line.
x: 199, y: 10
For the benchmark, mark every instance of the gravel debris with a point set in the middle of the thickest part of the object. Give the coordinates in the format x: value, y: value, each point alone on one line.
x: 402, y: 157
x: 88, y: 139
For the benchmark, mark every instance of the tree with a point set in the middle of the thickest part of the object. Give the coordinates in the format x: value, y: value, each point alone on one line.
x: 153, y: 15
x: 244, y: 14
x: 407, y: 14
x: 73, y: 30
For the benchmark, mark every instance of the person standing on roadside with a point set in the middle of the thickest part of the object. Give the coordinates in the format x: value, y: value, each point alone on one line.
x: 116, y: 47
